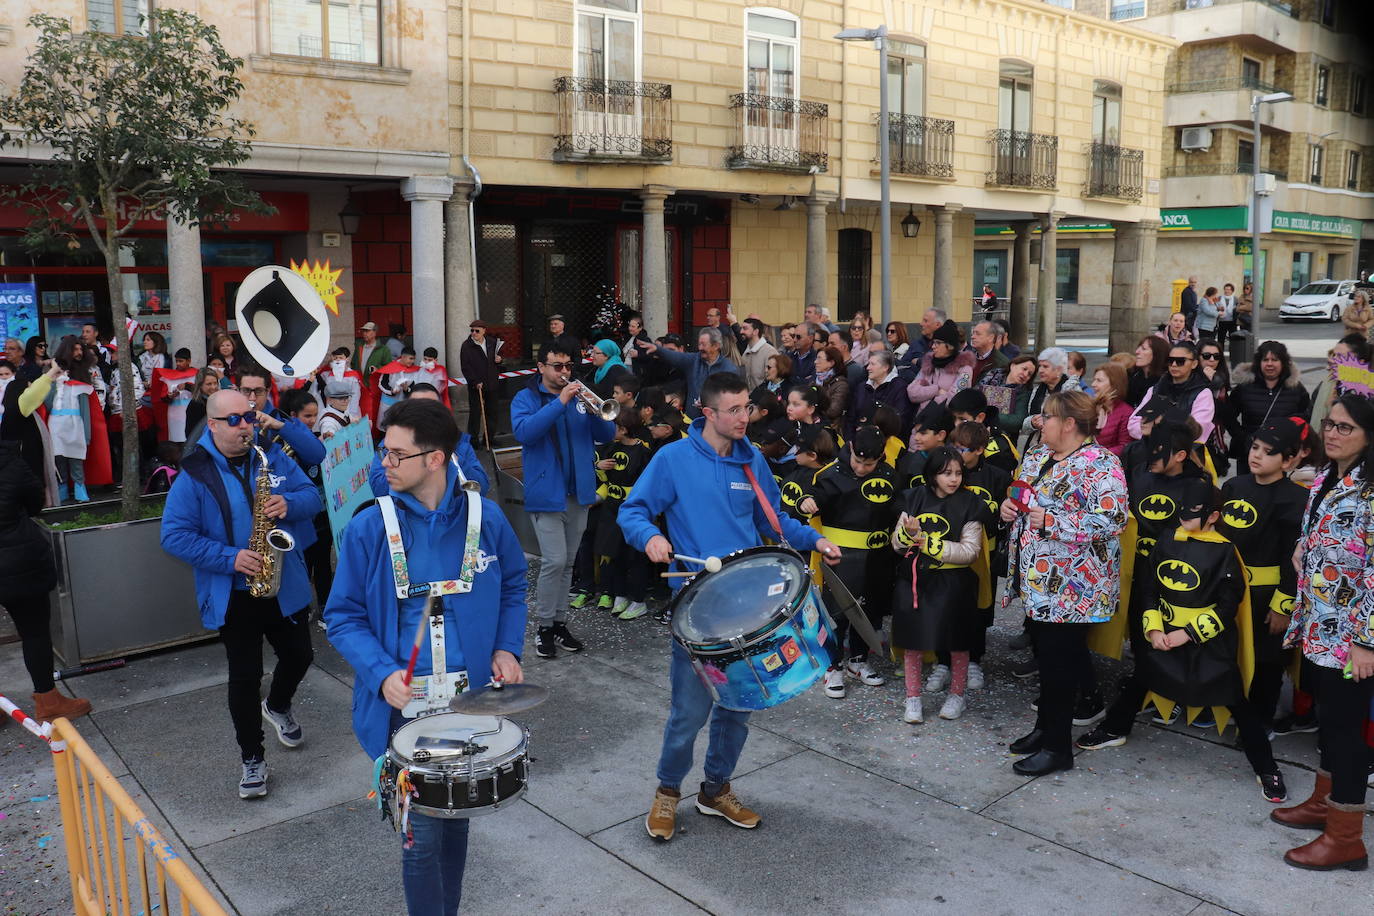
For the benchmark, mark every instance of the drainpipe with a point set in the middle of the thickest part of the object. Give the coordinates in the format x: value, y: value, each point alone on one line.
x: 472, y: 221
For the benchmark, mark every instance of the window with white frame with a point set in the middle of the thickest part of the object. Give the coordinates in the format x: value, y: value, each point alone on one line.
x: 906, y: 78
x: 772, y: 53
x: 1106, y: 113
x: 1015, y: 94
x: 338, y: 30
x: 608, y: 39
x: 1322, y: 86
x: 1359, y: 93
x: 117, y: 16
x: 1315, y: 159
x: 1352, y: 170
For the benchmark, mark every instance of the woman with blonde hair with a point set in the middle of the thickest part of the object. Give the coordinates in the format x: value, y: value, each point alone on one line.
x: 1113, y: 410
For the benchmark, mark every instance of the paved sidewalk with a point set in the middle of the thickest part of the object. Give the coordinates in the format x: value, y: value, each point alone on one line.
x: 861, y: 812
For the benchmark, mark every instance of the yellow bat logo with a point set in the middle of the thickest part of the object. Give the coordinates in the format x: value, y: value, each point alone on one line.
x: 622, y: 461
x: 1166, y: 611
x: 1156, y: 508
x: 876, y: 490
x: 992, y: 448
x: 1143, y: 546
x: 615, y: 491
x: 791, y: 492
x: 1237, y: 513
x: 984, y: 495
x: 931, y: 523
x: 1286, y: 606
x: 1178, y: 576
x: 877, y: 540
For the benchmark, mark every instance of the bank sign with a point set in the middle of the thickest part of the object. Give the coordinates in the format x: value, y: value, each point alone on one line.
x: 1336, y: 227
x: 1203, y: 219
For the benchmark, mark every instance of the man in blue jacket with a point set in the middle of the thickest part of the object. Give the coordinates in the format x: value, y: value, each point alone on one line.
x: 559, y: 436
x: 482, y: 593
x: 696, y: 367
x: 272, y: 425
x: 699, y: 484
x: 208, y: 521
x: 463, y: 455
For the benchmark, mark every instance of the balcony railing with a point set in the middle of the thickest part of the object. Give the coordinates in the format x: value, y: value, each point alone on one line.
x: 1288, y: 9
x: 1115, y: 171
x: 1225, y: 84
x: 1212, y: 169
x: 920, y: 146
x: 1023, y: 160
x: 773, y: 132
x: 613, y: 120
x: 1129, y: 11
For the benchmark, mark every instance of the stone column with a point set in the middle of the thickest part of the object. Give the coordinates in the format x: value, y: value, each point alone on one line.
x: 1047, y: 313
x: 427, y: 194
x: 942, y: 296
x: 187, y: 290
x: 655, y: 279
x: 817, y: 248
x: 1132, y: 260
x: 1018, y: 319
x: 460, y: 305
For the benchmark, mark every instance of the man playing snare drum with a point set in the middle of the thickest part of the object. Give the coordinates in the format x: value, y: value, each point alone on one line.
x: 481, y: 587
x: 702, y: 485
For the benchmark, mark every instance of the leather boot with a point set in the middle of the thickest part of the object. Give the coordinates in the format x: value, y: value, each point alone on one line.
x: 1311, y: 814
x: 56, y: 705
x: 1341, y: 844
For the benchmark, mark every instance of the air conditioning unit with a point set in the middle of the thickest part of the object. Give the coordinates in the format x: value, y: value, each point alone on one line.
x: 1195, y: 139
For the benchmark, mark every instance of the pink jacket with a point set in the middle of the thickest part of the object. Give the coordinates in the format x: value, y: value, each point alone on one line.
x: 939, y: 385
x: 1113, y: 434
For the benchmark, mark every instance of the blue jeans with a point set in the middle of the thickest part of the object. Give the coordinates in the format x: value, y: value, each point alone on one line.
x: 688, y: 711
x: 432, y: 869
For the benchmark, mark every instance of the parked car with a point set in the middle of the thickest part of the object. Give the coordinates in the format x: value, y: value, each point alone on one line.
x: 1322, y: 300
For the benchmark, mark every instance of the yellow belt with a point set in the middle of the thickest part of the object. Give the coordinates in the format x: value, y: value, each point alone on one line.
x: 1263, y: 575
x: 855, y: 540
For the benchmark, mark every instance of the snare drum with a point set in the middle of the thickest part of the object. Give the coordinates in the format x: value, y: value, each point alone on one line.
x: 459, y: 765
x: 756, y: 630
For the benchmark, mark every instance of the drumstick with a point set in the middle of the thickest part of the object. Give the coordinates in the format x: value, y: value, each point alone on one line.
x: 419, y: 638
x: 712, y: 564
x: 674, y: 575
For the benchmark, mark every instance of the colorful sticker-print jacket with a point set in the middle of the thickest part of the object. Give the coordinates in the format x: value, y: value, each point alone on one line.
x: 1336, y: 583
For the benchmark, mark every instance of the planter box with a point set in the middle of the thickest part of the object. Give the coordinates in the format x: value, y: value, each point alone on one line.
x: 117, y: 592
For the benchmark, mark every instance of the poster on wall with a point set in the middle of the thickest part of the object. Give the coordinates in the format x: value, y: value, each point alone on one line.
x: 58, y: 327
x: 347, y: 459
x: 18, y: 311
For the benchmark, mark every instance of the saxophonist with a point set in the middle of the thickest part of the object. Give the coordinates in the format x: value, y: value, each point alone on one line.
x: 219, y: 509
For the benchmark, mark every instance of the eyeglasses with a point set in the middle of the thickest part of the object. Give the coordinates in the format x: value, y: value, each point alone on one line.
x: 253, y: 392
x: 234, y: 419
x: 393, y: 460
x: 856, y: 327
x: 1179, y: 360
x: 559, y: 367
x: 1343, y: 429
x: 1209, y: 356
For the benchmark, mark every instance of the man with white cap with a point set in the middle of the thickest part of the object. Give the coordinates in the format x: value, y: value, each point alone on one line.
x: 369, y: 354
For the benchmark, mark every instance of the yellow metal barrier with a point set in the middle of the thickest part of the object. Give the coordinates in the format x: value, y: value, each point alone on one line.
x: 120, y: 865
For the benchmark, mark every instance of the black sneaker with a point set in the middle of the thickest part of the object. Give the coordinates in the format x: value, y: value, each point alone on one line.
x: 1099, y: 738
x: 1294, y: 725
x: 565, y: 639
x: 1089, y: 710
x: 1272, y: 787
x: 544, y: 643
x: 1204, y: 719
x: 1028, y: 668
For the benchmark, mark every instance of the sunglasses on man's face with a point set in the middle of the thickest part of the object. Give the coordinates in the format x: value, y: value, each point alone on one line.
x: 234, y: 419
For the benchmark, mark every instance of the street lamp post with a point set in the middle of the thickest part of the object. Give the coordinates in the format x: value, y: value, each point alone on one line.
x: 1257, y: 192
x: 879, y: 38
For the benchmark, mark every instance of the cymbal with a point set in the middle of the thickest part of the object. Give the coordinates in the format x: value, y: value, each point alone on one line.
x: 499, y: 701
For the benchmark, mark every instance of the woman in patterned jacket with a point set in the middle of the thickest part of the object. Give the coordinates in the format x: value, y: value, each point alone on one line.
x: 1332, y: 622
x: 1065, y: 563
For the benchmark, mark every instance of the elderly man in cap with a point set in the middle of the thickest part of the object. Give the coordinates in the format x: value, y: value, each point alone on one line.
x: 561, y: 340
x: 369, y: 354
x: 480, y: 364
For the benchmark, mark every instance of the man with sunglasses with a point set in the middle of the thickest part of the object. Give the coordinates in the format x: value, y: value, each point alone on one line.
x: 559, y: 436
x: 208, y: 522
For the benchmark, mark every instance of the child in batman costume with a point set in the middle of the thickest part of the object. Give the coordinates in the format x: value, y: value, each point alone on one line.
x: 1261, y: 514
x: 933, y: 427
x: 814, y: 451
x: 624, y: 570
x: 1154, y: 497
x: 858, y: 502
x: 1197, y: 622
x: 942, y: 578
x: 972, y: 404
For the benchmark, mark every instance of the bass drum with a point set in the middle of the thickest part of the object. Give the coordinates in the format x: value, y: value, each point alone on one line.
x: 756, y: 630
x: 459, y: 765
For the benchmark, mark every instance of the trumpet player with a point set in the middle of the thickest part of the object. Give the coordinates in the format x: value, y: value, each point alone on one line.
x: 559, y: 433
x: 214, y: 506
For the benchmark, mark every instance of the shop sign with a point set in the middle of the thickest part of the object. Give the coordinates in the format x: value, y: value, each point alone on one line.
x: 1062, y: 229
x: 1203, y: 219
x: 1244, y: 244
x: 292, y: 215
x: 18, y: 311
x: 1313, y: 224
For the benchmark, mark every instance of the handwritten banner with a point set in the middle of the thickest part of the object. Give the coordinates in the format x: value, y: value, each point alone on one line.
x: 347, y: 459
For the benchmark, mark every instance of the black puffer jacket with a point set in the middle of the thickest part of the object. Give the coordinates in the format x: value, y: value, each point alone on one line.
x: 1252, y: 403
x: 26, y: 563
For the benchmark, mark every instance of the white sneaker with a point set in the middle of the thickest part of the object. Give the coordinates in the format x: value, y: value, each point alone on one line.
x: 912, y: 713
x: 938, y: 680
x: 633, y: 610
x: 953, y: 708
x: 834, y: 684
x: 620, y: 605
x: 253, y: 784
x: 862, y: 670
x: 976, y: 680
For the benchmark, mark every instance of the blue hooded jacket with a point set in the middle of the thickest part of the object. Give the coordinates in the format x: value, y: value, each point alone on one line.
x: 710, y: 506
x: 208, y: 519
x: 364, y: 617
x: 559, y: 442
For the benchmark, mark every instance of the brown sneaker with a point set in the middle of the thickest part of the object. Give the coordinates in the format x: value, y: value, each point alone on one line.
x: 662, y: 818
x: 726, y: 805
x: 54, y: 704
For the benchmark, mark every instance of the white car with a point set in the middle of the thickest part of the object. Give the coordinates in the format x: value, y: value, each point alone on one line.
x: 1322, y: 300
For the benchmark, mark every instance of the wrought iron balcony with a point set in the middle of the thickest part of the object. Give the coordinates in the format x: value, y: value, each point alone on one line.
x: 784, y: 134
x: 1115, y: 171
x: 1225, y: 84
x: 612, y: 120
x: 1287, y: 9
x: 1212, y: 169
x: 920, y: 146
x: 1023, y: 160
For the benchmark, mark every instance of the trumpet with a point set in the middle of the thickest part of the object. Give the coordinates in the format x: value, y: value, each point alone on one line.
x: 606, y: 410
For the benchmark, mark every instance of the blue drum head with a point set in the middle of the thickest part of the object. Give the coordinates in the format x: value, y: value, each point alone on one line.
x: 751, y: 589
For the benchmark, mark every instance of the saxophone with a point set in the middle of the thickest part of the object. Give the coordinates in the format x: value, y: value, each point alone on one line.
x: 267, y: 540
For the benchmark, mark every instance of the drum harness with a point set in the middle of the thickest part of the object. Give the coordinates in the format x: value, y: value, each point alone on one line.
x: 428, y: 694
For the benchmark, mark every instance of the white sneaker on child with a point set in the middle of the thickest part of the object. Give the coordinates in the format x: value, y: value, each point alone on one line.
x: 912, y: 713
x: 861, y: 669
x: 953, y: 708
x: 634, y: 610
x: 620, y: 605
x: 938, y: 680
x: 975, y: 676
x: 834, y: 683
